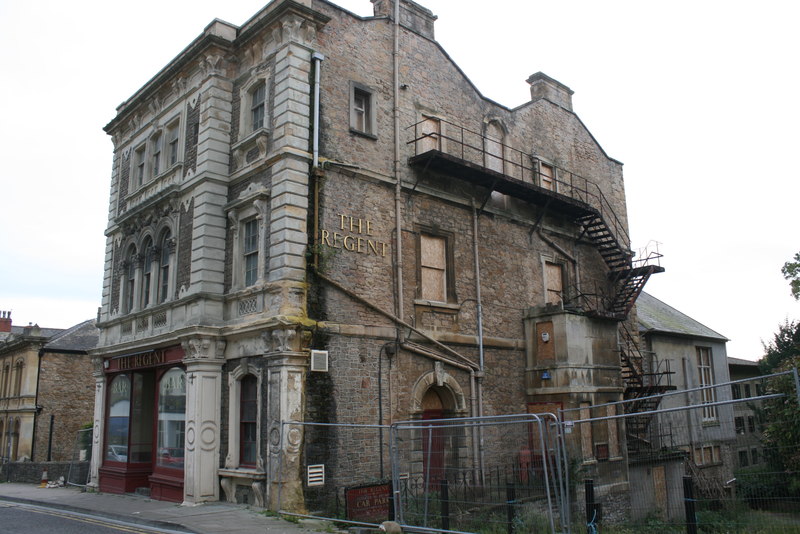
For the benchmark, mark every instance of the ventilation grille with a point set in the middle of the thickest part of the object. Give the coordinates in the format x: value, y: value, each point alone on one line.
x: 319, y: 361
x: 316, y: 475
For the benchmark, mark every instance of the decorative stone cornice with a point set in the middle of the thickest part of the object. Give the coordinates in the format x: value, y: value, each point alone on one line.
x: 204, y: 348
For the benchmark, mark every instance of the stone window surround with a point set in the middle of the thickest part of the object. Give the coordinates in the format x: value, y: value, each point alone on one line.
x: 155, y: 238
x: 235, y: 377
x: 144, y: 144
x: 370, y: 120
x: 450, y: 290
x: 252, y: 203
x: 544, y: 259
x: 538, y: 161
x: 247, y: 137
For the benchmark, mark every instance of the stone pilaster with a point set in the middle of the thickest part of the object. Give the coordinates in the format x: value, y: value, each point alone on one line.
x: 291, y: 132
x: 210, y: 190
x: 98, y: 429
x: 204, y: 358
x: 287, y: 365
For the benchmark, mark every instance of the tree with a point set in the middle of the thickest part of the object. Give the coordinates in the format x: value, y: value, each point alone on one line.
x: 784, y: 346
x: 791, y: 271
x: 781, y: 435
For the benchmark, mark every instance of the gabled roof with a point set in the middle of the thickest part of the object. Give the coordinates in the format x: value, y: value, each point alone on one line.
x: 657, y: 317
x: 80, y: 338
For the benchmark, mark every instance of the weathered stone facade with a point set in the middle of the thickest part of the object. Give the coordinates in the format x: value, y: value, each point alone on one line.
x: 375, y: 233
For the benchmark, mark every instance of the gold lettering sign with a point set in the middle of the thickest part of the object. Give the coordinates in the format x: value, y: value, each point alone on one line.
x: 136, y: 361
x: 353, y: 235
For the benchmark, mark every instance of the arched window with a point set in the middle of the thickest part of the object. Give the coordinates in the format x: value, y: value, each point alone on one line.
x: 130, y: 279
x: 493, y: 147
x: 147, y: 269
x: 172, y: 418
x: 6, y: 379
x: 18, y: 378
x: 248, y: 421
x: 15, y: 441
x: 119, y: 407
x: 164, y: 261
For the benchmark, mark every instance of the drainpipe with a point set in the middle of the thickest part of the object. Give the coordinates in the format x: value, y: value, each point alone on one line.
x: 317, y: 58
x: 398, y: 185
x: 480, y: 373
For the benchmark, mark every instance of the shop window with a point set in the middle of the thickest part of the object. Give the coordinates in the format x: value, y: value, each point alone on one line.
x: 248, y: 424
x: 362, y: 116
x: 433, y: 268
x: 119, y: 407
x: 706, y: 374
x: 141, y: 422
x: 171, y: 419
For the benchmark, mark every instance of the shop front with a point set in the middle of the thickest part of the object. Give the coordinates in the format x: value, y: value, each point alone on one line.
x: 145, y: 424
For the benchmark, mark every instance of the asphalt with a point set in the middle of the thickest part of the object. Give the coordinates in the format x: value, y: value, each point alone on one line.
x: 207, y: 518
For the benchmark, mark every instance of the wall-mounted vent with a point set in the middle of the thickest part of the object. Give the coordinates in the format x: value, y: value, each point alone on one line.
x: 319, y: 361
x: 316, y: 475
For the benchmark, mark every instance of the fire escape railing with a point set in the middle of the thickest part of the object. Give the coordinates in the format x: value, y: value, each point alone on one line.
x: 478, y: 149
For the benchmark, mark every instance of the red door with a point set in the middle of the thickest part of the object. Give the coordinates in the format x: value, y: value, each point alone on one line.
x: 432, y: 448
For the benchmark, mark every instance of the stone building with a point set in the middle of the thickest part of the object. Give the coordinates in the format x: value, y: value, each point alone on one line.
x: 747, y: 421
x: 316, y: 216
x: 46, y: 389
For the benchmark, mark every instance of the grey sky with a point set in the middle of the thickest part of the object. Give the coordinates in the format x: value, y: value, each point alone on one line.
x: 697, y: 98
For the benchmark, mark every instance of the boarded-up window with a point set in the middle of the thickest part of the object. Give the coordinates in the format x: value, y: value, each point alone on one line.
x: 433, y: 268
x: 547, y: 176
x: 554, y: 282
x: 428, y: 135
x: 493, y: 147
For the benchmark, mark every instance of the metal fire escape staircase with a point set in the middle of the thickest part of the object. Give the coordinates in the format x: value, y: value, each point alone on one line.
x: 451, y: 149
x: 645, y: 380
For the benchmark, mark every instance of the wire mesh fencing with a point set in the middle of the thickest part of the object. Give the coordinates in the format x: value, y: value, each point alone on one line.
x: 722, y: 458
x: 344, y: 473
x: 81, y: 457
x: 484, y: 475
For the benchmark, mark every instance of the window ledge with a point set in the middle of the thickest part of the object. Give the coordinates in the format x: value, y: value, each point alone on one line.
x: 242, y: 472
x: 441, y: 306
x: 240, y: 149
x: 363, y: 134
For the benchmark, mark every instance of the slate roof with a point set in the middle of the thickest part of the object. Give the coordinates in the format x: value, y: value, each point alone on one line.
x: 655, y: 316
x: 80, y: 338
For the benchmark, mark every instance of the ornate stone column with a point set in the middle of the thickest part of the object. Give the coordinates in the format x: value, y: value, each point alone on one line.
x: 98, y: 430
x: 204, y: 356
x: 286, y: 368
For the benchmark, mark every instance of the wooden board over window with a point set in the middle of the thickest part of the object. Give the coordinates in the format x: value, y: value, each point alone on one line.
x: 554, y: 280
x: 433, y: 268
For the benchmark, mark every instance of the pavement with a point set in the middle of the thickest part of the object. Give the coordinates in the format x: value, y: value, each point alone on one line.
x: 207, y: 518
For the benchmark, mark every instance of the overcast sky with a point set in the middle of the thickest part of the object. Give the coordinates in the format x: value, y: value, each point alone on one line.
x: 699, y: 99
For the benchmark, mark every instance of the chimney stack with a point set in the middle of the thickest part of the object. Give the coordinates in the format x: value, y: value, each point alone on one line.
x: 5, y: 321
x: 543, y: 86
x: 412, y: 15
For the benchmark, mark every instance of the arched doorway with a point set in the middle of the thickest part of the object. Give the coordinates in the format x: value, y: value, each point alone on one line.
x: 437, y: 439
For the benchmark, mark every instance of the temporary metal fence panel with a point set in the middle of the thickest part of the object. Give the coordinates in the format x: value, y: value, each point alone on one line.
x: 480, y: 475
x: 78, y: 474
x: 720, y: 458
x: 343, y: 471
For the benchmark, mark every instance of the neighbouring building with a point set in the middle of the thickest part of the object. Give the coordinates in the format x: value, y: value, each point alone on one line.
x: 679, y: 354
x: 46, y: 389
x: 306, y: 226
x: 747, y: 421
